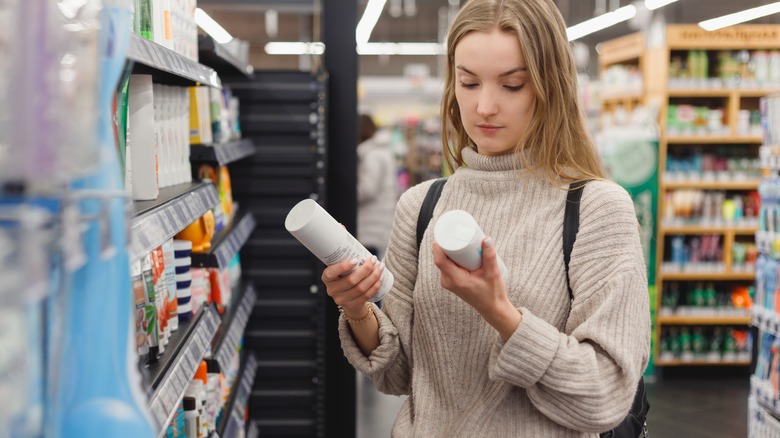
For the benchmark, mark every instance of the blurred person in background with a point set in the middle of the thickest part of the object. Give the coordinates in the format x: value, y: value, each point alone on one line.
x: 377, y: 186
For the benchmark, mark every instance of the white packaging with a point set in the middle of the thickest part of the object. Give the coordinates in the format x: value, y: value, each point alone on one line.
x: 316, y: 229
x: 460, y: 237
x: 143, y: 158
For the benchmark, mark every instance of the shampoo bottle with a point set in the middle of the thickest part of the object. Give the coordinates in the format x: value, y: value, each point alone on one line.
x: 460, y: 237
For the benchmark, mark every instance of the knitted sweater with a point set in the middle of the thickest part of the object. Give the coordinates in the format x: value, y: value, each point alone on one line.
x: 556, y: 376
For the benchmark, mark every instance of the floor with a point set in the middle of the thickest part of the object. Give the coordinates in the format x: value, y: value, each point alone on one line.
x: 689, y: 406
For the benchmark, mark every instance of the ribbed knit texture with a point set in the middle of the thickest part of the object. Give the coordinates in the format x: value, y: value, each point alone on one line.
x: 556, y: 376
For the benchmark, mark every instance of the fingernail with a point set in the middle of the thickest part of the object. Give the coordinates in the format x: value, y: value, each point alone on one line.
x: 374, y: 259
x: 353, y: 262
x: 488, y: 243
x: 381, y: 266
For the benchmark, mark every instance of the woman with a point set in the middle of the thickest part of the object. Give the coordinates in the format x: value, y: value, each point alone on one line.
x: 479, y: 357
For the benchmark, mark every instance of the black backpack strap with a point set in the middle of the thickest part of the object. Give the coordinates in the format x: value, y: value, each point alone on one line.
x: 571, y: 224
x: 426, y: 210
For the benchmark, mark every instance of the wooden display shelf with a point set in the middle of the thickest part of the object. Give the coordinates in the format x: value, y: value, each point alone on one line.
x: 711, y: 185
x: 701, y: 363
x: 622, y: 97
x: 737, y: 231
x: 704, y: 276
x: 704, y: 320
x: 713, y: 139
x: 720, y: 92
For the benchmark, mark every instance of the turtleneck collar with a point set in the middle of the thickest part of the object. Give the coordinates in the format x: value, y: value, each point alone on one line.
x: 475, y: 161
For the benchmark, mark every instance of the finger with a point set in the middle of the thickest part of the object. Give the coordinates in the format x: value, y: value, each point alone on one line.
x: 368, y: 287
x: 335, y: 272
x: 354, y: 278
x: 489, y: 258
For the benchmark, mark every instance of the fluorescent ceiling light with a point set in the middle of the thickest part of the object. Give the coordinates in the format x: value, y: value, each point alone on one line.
x: 655, y: 4
x: 292, y: 48
x: 400, y: 49
x: 601, y: 22
x: 412, y: 49
x: 211, y: 27
x: 740, y: 17
x: 371, y: 15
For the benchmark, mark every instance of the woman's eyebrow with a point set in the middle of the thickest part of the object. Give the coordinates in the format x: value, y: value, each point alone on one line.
x: 506, y: 73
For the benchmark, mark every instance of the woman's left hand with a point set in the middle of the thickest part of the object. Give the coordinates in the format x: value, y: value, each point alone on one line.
x: 482, y: 289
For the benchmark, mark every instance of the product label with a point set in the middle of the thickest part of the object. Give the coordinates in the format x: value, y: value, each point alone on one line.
x: 349, y: 248
x: 150, y: 307
x: 139, y: 296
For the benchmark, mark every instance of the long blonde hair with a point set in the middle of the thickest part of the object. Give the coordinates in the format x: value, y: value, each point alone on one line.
x: 556, y: 143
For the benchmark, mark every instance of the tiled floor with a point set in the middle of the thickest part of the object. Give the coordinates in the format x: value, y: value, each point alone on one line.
x: 703, y: 407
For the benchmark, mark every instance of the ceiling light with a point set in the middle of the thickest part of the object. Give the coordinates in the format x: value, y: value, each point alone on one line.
x: 740, y: 17
x: 371, y: 15
x: 655, y: 4
x: 211, y: 27
x: 293, y: 48
x: 429, y: 49
x: 601, y: 22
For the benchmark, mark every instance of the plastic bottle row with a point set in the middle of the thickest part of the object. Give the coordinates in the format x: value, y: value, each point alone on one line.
x: 156, y: 124
x: 705, y: 343
x: 705, y: 208
x: 705, y: 299
x: 767, y: 285
x: 169, y: 23
x: 705, y: 254
x: 710, y: 167
x: 725, y: 68
x: 767, y: 369
x: 689, y: 120
x: 202, y: 406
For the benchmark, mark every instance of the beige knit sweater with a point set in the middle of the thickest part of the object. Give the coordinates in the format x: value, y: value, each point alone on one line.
x: 555, y: 377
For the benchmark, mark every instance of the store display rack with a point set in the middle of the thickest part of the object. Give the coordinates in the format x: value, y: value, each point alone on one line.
x: 232, y: 419
x: 234, y: 322
x: 653, y: 61
x: 168, y: 67
x: 167, y: 380
x: 220, y: 59
x: 174, y: 209
x: 223, y: 154
x: 227, y: 243
x: 760, y: 422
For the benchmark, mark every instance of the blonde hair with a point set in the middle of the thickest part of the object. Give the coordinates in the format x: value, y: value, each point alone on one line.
x: 556, y: 143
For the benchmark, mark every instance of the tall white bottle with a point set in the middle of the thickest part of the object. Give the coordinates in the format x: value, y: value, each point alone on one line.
x: 141, y: 131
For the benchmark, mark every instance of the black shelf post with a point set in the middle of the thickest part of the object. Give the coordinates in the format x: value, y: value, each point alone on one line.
x: 341, y: 62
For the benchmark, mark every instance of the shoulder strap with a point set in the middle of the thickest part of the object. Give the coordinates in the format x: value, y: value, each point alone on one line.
x: 426, y: 210
x: 571, y: 224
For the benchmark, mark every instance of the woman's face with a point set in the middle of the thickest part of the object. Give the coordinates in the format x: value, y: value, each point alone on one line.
x: 493, y: 90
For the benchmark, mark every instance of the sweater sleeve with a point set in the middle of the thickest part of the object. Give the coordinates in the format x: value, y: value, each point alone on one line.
x: 585, y: 379
x: 389, y: 364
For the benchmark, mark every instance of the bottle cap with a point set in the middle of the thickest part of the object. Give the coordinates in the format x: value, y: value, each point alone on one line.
x: 202, y: 372
x: 189, y: 404
x: 212, y: 366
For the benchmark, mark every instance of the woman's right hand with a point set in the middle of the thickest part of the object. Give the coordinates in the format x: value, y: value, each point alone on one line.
x: 352, y: 290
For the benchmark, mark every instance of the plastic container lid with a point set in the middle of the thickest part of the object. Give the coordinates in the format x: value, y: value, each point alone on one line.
x: 189, y: 404
x: 202, y: 372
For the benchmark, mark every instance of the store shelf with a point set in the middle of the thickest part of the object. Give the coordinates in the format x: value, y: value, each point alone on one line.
x: 227, y: 243
x: 721, y: 276
x: 761, y: 423
x: 720, y: 92
x: 223, y: 154
x: 704, y: 320
x: 167, y: 380
x: 711, y: 185
x: 167, y: 66
x: 747, y: 231
x: 622, y: 97
x: 700, y: 363
x: 232, y: 419
x: 762, y: 392
x: 217, y: 57
x: 713, y: 139
x: 175, y: 208
x: 766, y: 320
x: 233, y: 324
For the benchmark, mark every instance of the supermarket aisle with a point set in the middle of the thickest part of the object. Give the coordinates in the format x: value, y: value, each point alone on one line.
x: 690, y: 408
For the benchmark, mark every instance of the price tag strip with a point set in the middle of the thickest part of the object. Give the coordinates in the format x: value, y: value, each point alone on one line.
x: 235, y: 332
x: 766, y: 320
x: 236, y: 420
x: 160, y: 58
x: 169, y: 393
x: 237, y: 238
x: 234, y: 151
x: 154, y: 228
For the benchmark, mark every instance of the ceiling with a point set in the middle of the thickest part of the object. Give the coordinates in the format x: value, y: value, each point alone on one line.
x: 298, y: 20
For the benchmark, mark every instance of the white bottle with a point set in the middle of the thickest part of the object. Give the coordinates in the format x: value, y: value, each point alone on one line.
x: 316, y: 229
x: 460, y: 237
x: 143, y: 156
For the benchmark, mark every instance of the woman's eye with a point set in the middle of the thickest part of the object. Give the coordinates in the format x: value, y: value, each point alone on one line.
x: 468, y: 85
x: 514, y: 87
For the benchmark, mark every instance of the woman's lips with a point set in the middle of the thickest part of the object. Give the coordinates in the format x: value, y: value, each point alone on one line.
x: 489, y: 129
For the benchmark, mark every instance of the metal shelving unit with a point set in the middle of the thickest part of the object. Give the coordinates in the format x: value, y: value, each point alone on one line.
x: 220, y: 59
x: 167, y: 66
x: 175, y: 208
x: 232, y: 419
x: 226, y: 245
x: 223, y: 154
x: 234, y: 322
x: 168, y: 379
